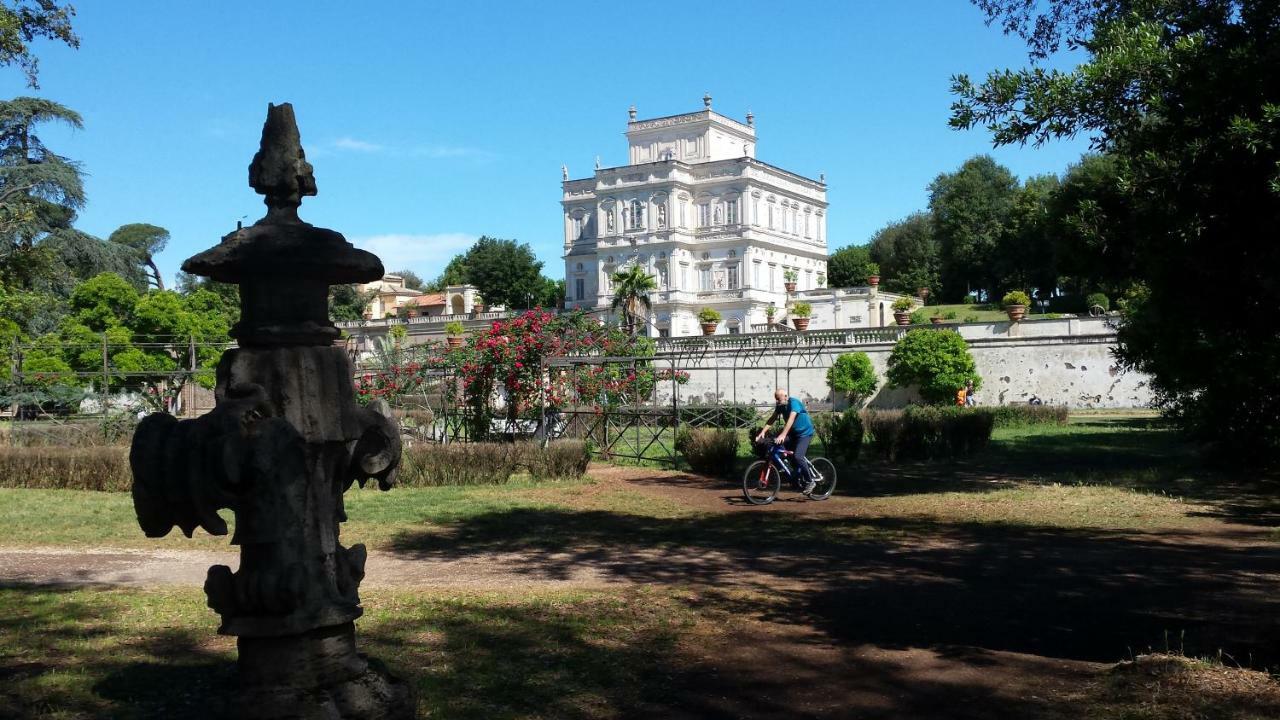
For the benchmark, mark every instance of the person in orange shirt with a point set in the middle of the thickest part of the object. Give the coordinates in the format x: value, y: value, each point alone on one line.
x: 961, y: 396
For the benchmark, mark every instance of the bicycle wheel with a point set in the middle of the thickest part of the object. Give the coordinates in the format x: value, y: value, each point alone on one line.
x: 761, y: 482
x: 824, y: 477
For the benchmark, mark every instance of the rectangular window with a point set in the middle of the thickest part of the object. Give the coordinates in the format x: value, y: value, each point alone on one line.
x: 580, y: 288
x: 733, y: 329
x: 732, y: 283
x: 731, y: 212
x: 664, y: 332
x: 704, y: 215
x: 704, y: 278
x: 755, y: 280
x: 684, y: 277
x: 773, y: 274
x: 807, y: 233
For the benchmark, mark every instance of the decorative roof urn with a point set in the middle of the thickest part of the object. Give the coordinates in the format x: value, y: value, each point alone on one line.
x: 284, y: 442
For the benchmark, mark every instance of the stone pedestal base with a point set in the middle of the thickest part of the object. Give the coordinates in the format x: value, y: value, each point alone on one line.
x: 317, y: 676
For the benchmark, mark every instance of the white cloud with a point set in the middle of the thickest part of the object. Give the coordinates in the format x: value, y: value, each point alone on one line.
x: 425, y: 254
x: 350, y: 143
x: 452, y: 151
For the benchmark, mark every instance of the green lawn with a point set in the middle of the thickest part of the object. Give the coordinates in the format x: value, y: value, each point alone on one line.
x: 1103, y: 471
x: 133, y: 654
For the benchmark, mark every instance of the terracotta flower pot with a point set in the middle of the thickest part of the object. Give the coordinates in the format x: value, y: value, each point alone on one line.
x: 800, y: 323
x: 1015, y: 312
x: 454, y: 341
x: 791, y: 287
x: 873, y: 280
x: 709, y: 328
x: 935, y: 320
x: 902, y: 318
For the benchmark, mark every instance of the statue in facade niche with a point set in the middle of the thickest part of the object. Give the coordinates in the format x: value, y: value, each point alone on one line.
x: 662, y: 215
x: 283, y: 444
x: 608, y: 219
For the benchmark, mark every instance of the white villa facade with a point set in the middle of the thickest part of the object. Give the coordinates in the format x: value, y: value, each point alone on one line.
x: 716, y: 227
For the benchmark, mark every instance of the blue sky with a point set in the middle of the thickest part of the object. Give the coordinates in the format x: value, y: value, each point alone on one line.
x: 432, y: 123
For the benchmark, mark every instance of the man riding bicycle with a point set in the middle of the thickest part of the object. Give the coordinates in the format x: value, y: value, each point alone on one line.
x: 795, y: 435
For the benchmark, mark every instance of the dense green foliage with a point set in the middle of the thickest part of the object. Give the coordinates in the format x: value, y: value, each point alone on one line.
x: 841, y: 434
x: 907, y: 255
x: 709, y: 315
x: 935, y: 361
x: 971, y: 212
x: 850, y: 266
x: 853, y: 375
x: 505, y: 271
x: 1183, y: 94
x: 927, y: 433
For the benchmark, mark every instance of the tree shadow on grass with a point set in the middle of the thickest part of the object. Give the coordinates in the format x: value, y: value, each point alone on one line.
x: 63, y: 655
x: 1076, y: 594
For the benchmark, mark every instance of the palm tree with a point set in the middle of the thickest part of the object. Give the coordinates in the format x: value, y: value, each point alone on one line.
x: 631, y: 288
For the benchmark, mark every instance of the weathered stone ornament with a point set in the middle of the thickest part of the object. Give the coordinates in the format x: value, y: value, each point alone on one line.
x: 283, y: 444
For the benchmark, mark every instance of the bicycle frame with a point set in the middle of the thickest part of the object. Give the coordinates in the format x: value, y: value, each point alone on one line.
x: 778, y: 455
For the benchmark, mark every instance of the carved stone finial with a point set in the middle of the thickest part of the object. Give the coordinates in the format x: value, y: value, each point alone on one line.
x: 564, y: 172
x: 597, y: 162
x: 631, y: 113
x: 822, y: 177
x: 706, y: 100
x: 751, y: 118
x: 280, y: 170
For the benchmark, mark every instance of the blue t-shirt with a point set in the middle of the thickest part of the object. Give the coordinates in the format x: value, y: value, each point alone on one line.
x: 803, y: 426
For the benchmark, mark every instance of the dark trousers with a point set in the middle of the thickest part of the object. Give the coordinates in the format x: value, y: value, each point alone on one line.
x: 800, y: 446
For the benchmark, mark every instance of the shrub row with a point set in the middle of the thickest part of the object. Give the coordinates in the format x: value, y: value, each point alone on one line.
x: 1021, y: 415
x: 707, y: 450
x: 111, y: 430
x: 927, y: 432
x: 75, y: 468
x: 491, y: 463
x: 424, y: 465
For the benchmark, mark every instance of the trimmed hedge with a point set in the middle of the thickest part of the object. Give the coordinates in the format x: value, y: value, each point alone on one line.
x: 72, y: 468
x: 1022, y: 415
x: 927, y: 432
x: 707, y: 450
x: 422, y: 465
x: 491, y: 463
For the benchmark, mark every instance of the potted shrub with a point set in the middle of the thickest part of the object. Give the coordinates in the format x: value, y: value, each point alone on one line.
x: 789, y: 277
x: 709, y: 319
x: 1015, y: 305
x: 822, y: 280
x: 769, y: 312
x: 453, y: 333
x: 873, y: 274
x: 477, y: 305
x: 800, y: 313
x: 902, y: 310
x: 1097, y: 303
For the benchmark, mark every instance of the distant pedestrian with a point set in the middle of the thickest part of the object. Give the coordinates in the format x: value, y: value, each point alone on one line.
x: 970, y: 400
x: 962, y: 396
